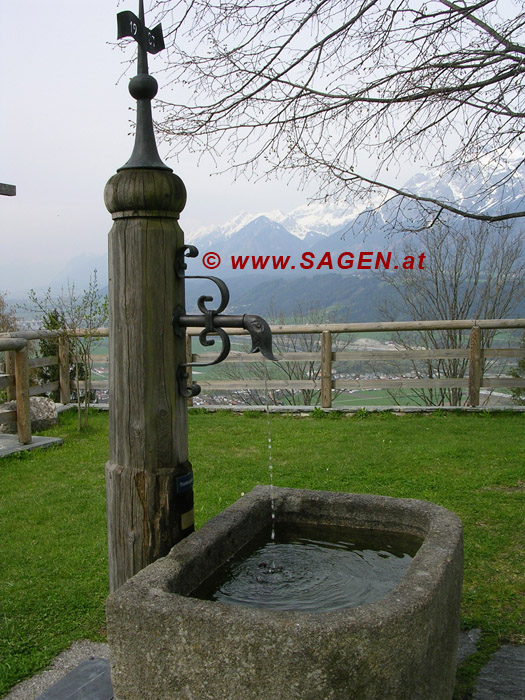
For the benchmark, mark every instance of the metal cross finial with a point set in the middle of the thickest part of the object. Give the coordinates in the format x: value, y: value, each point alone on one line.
x: 143, y: 87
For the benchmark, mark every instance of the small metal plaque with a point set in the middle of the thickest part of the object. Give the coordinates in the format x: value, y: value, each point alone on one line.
x: 184, y: 483
x: 128, y: 24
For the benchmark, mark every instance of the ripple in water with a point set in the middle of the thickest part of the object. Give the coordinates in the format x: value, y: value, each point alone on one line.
x: 313, y: 569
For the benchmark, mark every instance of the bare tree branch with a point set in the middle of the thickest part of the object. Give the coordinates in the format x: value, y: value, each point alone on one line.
x: 472, y: 271
x: 326, y: 86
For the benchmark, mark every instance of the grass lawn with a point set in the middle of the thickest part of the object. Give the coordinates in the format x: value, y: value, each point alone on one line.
x: 53, y: 578
x: 377, y: 397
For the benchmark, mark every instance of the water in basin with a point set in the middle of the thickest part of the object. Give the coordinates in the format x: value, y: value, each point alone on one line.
x: 313, y: 568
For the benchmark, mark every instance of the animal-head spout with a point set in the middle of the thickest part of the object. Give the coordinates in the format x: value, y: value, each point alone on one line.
x: 261, y: 335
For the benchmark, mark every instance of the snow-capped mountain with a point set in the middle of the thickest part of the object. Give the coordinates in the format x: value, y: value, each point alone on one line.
x: 262, y: 236
x: 468, y: 189
x: 206, y: 236
x: 337, y: 228
x: 318, y: 228
x: 315, y: 219
x: 474, y: 188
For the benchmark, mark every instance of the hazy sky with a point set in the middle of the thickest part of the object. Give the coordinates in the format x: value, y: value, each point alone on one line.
x: 64, y: 130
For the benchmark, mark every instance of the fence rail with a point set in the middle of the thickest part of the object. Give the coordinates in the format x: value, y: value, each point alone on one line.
x: 15, y: 379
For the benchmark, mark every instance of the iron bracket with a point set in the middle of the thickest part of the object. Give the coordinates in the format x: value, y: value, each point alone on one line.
x: 213, y: 322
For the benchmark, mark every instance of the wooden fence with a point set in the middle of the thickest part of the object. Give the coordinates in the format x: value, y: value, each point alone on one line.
x: 15, y: 379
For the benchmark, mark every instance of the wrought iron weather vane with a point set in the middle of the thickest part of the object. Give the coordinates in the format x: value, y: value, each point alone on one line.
x: 143, y: 87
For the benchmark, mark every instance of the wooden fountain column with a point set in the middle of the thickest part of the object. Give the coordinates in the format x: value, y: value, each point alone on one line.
x: 148, y: 476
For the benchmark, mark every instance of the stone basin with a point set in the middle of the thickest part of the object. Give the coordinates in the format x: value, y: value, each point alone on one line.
x: 167, y: 645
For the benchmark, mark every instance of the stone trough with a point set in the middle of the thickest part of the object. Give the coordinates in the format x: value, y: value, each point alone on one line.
x: 167, y: 645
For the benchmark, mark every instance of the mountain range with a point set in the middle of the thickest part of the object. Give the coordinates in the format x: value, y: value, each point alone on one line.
x: 260, y: 240
x: 319, y: 227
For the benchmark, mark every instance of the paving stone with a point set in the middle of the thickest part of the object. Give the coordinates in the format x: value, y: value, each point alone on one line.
x: 9, y: 444
x: 467, y: 644
x: 90, y: 680
x: 503, y: 678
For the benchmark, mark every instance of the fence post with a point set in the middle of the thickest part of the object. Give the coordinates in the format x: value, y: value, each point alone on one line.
x: 326, y: 369
x: 23, y: 411
x: 63, y: 369
x: 474, y: 366
x: 10, y: 369
x: 189, y: 358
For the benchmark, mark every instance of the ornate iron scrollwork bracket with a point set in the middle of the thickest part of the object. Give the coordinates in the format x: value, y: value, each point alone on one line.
x: 212, y: 321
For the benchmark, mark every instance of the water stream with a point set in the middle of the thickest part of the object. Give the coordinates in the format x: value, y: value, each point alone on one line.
x: 269, y: 438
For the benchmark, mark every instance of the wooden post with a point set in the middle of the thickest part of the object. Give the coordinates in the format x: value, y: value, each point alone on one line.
x: 10, y: 369
x: 326, y: 369
x: 189, y: 358
x: 474, y: 367
x: 63, y: 369
x: 148, y: 477
x: 23, y: 410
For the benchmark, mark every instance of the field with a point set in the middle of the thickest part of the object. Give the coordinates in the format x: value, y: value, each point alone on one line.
x: 53, y: 567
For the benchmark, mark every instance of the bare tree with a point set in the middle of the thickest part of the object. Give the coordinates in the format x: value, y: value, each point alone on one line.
x: 326, y: 85
x: 474, y: 271
x: 518, y: 394
x: 79, y: 317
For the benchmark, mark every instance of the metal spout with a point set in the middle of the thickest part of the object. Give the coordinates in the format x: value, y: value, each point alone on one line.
x: 261, y: 335
x: 256, y: 326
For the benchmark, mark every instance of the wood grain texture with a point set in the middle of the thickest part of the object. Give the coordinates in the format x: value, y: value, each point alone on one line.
x: 63, y: 369
x: 9, y: 343
x: 189, y: 358
x: 23, y: 414
x: 7, y: 381
x: 441, y: 382
x: 39, y: 389
x: 326, y: 369
x: 260, y: 384
x: 7, y: 190
x: 375, y: 326
x: 148, y: 417
x: 10, y: 365
x: 7, y: 417
x: 502, y: 382
x: 95, y: 384
x: 43, y: 361
x: 474, y: 366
